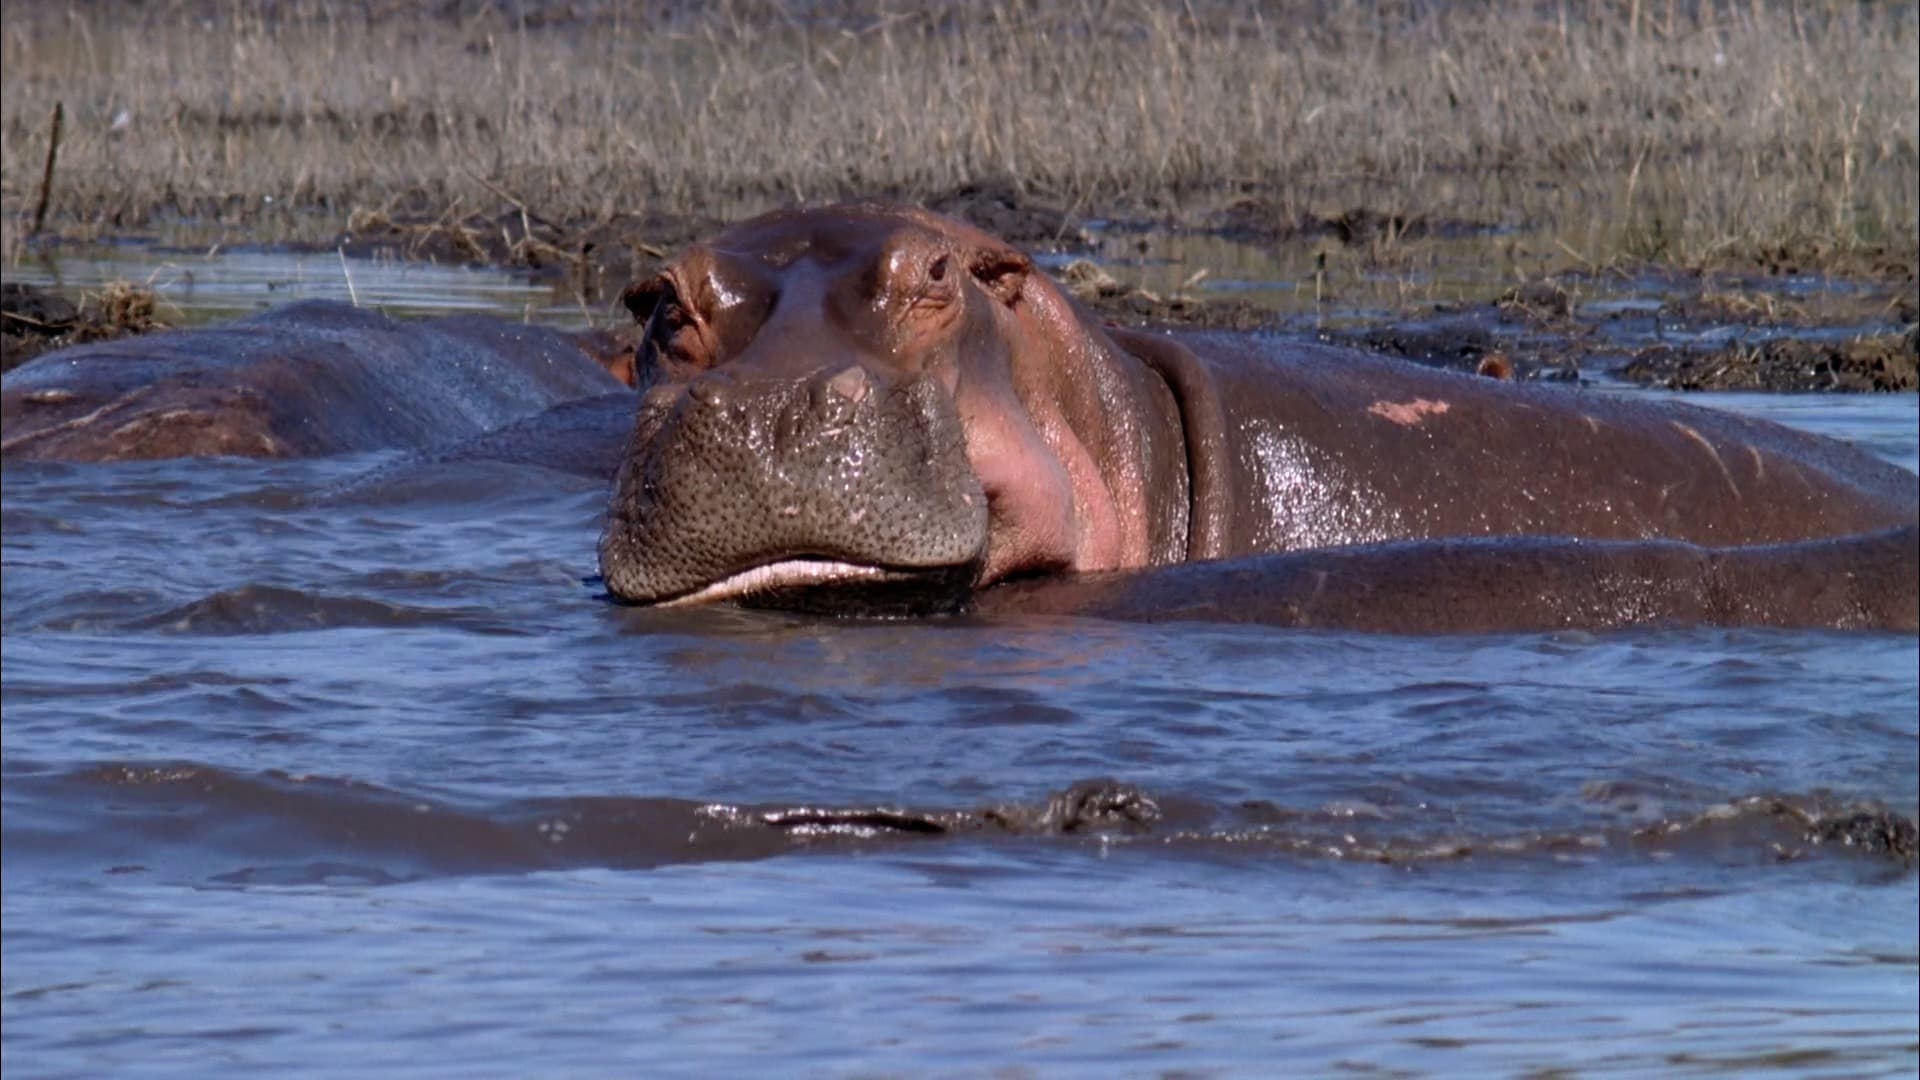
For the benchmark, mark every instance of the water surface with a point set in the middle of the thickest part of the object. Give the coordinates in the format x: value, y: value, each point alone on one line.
x: 300, y: 782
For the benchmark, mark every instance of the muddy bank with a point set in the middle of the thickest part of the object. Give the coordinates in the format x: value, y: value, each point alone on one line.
x: 1353, y: 279
x: 1883, y: 363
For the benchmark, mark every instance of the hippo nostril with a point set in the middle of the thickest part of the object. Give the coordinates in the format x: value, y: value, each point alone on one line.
x: 709, y: 391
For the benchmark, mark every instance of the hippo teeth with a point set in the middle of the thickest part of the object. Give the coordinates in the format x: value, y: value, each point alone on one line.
x: 779, y: 575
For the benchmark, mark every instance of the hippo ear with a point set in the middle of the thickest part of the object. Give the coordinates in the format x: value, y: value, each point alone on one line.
x: 642, y: 297
x: 1002, y: 271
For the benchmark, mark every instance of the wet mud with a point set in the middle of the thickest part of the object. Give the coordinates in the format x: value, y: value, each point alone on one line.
x: 1883, y: 362
x: 1271, y: 219
x: 1695, y: 339
x: 1132, y: 305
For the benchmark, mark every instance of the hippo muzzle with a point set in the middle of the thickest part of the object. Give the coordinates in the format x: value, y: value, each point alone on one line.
x: 845, y: 490
x: 873, y: 409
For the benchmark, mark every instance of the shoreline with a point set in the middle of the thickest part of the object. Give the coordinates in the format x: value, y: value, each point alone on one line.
x: 1769, y: 134
x: 1729, y: 157
x: 1765, y: 329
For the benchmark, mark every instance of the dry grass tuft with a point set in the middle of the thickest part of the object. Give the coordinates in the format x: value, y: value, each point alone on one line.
x: 122, y: 307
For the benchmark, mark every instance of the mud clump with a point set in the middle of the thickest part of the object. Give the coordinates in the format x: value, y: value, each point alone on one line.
x: 1542, y: 301
x: 34, y: 320
x: 1458, y: 347
x: 1359, y: 226
x: 1876, y: 832
x: 1754, y: 308
x: 595, y: 258
x: 1000, y: 208
x: 1883, y: 363
x: 1094, y: 286
x: 1464, y: 344
x: 1090, y: 806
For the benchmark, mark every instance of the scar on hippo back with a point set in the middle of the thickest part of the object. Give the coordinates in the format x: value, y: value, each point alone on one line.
x: 1408, y: 413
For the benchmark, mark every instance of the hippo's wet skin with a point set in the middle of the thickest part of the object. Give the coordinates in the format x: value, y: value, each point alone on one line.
x: 872, y: 406
x: 305, y: 379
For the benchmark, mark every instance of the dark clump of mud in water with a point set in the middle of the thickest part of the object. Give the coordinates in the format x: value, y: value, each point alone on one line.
x: 34, y: 321
x: 1474, y: 341
x: 1884, y: 362
x: 999, y: 207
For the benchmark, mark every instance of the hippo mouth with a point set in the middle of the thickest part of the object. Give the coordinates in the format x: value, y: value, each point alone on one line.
x: 836, y: 587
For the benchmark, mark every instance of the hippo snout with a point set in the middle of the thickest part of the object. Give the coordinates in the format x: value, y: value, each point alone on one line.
x: 842, y: 490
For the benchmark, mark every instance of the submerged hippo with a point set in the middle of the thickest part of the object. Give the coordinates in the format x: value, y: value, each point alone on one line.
x: 311, y: 378
x: 874, y: 406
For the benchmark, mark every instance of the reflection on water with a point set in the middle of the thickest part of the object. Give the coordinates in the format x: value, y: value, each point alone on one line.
x: 217, y: 284
x: 298, y: 783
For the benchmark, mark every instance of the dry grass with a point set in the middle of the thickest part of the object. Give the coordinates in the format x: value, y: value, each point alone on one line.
x: 1656, y: 130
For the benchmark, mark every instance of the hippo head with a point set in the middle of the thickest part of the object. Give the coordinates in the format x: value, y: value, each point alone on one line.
x: 875, y: 408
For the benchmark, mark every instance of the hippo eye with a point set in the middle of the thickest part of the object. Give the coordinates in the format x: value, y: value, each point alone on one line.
x: 676, y: 332
x: 938, y: 271
x: 669, y: 316
x: 674, y: 341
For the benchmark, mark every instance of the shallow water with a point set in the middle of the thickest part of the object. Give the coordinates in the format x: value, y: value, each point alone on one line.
x: 216, y: 283
x: 304, y: 782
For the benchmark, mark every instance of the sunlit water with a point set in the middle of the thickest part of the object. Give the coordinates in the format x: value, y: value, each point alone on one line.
x: 308, y: 782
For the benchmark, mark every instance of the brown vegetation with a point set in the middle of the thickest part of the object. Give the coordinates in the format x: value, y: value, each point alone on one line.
x: 1618, y: 129
x: 33, y: 321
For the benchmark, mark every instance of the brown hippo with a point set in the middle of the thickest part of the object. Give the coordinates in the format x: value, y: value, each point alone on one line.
x: 310, y: 378
x: 873, y: 406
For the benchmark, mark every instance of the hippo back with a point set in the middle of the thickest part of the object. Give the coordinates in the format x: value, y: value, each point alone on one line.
x: 306, y: 379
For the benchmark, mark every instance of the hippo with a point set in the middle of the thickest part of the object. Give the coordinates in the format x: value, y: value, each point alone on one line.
x: 305, y: 379
x: 1509, y: 584
x: 871, y: 407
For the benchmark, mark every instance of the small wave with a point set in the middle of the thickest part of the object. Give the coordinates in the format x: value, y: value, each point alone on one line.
x: 468, y: 487
x: 268, y: 609
x: 280, y: 827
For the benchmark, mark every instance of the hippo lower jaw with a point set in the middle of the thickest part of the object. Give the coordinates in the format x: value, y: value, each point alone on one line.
x: 832, y: 586
x: 784, y: 574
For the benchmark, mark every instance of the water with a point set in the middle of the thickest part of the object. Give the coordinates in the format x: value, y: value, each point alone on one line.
x: 217, y: 283
x: 309, y: 784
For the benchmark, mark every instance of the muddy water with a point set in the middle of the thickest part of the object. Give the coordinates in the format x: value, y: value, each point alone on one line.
x: 301, y: 783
